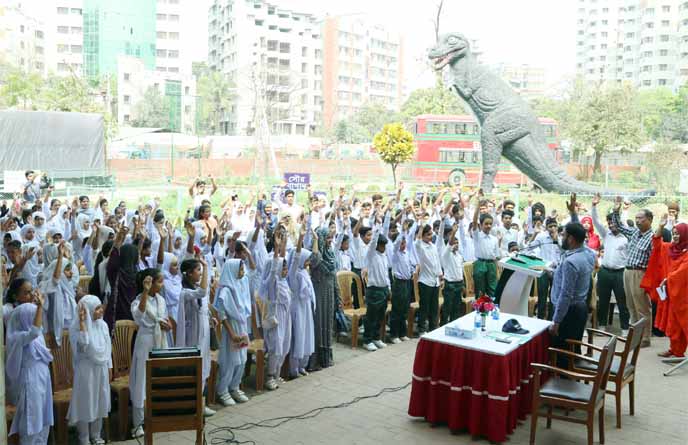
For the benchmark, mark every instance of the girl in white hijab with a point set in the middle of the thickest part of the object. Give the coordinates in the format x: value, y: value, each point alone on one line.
x: 27, y: 374
x: 60, y: 222
x: 171, y: 289
x: 92, y: 358
x: 33, y: 266
x: 150, y: 314
x: 60, y: 280
x: 38, y: 221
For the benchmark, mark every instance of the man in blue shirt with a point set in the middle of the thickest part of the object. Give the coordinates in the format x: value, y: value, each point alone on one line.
x: 570, y: 286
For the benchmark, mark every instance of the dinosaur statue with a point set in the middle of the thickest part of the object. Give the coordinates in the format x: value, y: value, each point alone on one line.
x: 509, y: 127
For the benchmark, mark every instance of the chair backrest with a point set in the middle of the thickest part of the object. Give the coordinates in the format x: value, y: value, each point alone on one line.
x: 632, y: 349
x: 344, y: 279
x: 84, y: 281
x: 604, y: 366
x: 257, y: 311
x: 122, y: 347
x: 468, y: 278
x: 61, y: 370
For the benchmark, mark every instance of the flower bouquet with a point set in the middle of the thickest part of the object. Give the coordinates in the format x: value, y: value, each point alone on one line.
x: 483, y: 306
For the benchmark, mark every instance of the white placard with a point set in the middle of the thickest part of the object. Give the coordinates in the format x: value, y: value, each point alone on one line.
x: 683, y: 182
x: 14, y: 180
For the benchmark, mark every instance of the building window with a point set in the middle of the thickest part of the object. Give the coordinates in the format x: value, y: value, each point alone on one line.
x: 76, y: 11
x: 663, y: 52
x: 284, y: 47
x: 61, y: 67
x: 173, y: 36
x: 161, y: 35
x: 662, y: 82
x: 76, y: 49
x: 663, y: 67
x: 77, y: 30
x: 187, y: 90
x: 173, y: 17
x: 127, y: 100
x: 173, y: 54
x: 173, y: 69
x: 126, y: 77
x: 187, y: 109
x: 126, y: 118
x: 61, y: 48
x: 162, y: 16
x: 664, y: 38
x: 304, y: 51
x: 304, y: 67
x: 63, y: 11
x: 304, y: 83
x: 60, y: 29
x: 161, y: 53
x: 272, y: 45
x: 666, y: 8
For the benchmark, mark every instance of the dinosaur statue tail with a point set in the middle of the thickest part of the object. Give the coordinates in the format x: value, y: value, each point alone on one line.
x: 536, y: 159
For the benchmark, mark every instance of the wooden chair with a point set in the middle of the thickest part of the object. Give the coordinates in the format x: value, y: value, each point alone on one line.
x: 210, y: 398
x: 62, y: 374
x: 121, y: 363
x: 413, y: 308
x: 84, y: 281
x: 470, y: 286
x: 572, y: 393
x: 10, y: 411
x: 593, y: 300
x: 344, y: 279
x: 174, y: 400
x: 256, y: 347
x: 623, y: 365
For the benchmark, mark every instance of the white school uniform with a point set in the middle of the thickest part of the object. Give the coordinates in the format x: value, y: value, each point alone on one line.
x: 60, y: 302
x: 233, y: 303
x: 92, y: 357
x: 148, y: 336
x: 302, y: 310
x: 171, y: 292
x: 278, y: 297
x: 28, y: 383
x: 197, y: 319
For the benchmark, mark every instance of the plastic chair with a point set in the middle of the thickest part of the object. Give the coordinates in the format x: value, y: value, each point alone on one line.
x: 344, y: 279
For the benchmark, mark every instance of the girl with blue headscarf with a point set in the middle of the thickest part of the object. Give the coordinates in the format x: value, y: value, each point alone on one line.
x: 303, y: 305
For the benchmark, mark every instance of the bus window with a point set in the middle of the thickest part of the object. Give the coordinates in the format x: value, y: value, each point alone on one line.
x: 476, y: 129
x: 437, y: 128
x: 460, y: 129
x: 476, y: 157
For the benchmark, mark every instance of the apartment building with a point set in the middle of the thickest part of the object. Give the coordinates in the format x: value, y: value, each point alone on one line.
x: 22, y: 37
x: 274, y: 57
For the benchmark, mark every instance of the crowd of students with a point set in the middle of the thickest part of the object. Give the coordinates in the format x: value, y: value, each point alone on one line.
x: 279, y: 261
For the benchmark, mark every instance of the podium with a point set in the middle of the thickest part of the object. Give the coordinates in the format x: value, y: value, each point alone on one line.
x: 513, y: 289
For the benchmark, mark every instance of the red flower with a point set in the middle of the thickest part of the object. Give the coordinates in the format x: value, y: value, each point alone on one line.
x: 484, y: 304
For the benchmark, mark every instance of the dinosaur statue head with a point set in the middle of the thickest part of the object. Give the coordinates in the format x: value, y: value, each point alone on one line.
x: 449, y: 49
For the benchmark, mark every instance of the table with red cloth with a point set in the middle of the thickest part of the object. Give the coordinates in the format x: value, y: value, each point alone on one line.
x: 479, y: 385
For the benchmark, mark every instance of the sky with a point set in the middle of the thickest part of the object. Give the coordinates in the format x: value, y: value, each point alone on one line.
x: 541, y: 33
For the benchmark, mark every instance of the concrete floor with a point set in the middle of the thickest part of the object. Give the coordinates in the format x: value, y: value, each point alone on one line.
x: 661, y: 416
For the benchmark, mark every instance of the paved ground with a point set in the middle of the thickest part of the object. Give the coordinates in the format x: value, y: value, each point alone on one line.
x: 660, y: 419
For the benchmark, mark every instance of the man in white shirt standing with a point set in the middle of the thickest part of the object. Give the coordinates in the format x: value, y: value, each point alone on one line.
x: 429, y: 273
x: 376, y: 277
x: 504, y: 232
x: 452, y: 264
x: 611, y: 273
x: 486, y: 253
x: 290, y: 207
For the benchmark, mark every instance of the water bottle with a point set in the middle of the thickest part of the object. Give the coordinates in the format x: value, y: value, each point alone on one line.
x: 495, y: 312
x: 477, y: 322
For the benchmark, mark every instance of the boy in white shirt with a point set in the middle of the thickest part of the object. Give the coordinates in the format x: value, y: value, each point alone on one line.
x: 452, y: 264
x: 376, y: 277
x: 429, y: 273
x: 486, y: 253
x: 402, y: 276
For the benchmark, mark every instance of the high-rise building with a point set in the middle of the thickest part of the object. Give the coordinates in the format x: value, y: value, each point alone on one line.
x: 169, y: 52
x: 274, y: 57
x: 527, y: 80
x: 361, y: 64
x: 65, y: 36
x: 114, y: 28
x: 639, y: 41
x: 22, y: 38
x: 178, y: 90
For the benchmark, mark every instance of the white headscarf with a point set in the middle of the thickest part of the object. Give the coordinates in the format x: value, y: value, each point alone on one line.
x: 99, y: 347
x: 104, y: 233
x: 81, y: 220
x: 157, y: 313
x: 236, y: 303
x: 64, y: 293
x: 300, y: 281
x: 172, y: 284
x: 41, y: 230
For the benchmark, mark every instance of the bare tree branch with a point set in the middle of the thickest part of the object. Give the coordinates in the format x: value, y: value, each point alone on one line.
x: 436, y: 22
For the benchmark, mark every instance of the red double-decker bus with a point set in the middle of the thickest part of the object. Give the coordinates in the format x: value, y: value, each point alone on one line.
x: 448, y: 150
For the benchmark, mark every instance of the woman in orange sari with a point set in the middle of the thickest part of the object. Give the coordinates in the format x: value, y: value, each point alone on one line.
x: 668, y: 266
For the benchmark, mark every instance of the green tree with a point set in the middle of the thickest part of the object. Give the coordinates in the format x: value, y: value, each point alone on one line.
x: 18, y: 88
x: 395, y: 146
x: 436, y: 100
x: 665, y: 165
x: 215, y: 96
x: 153, y: 110
x: 655, y: 106
x: 605, y: 117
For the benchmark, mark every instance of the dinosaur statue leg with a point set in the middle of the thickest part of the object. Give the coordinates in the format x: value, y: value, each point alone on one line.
x: 497, y: 132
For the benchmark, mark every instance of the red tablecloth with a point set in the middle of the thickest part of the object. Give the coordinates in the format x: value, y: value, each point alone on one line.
x: 483, y: 393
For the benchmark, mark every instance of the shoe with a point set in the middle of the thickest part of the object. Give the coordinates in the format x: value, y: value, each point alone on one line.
x: 98, y: 441
x: 645, y: 344
x: 137, y: 432
x: 227, y: 400
x: 207, y: 412
x: 370, y: 347
x: 280, y: 380
x: 360, y: 329
x: 404, y: 338
x: 666, y: 354
x: 303, y: 372
x: 380, y: 344
x: 396, y: 340
x: 239, y: 396
x: 421, y: 333
x: 271, y: 384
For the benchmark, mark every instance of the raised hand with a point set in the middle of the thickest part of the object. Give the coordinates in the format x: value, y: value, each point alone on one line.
x: 571, y: 205
x: 618, y: 201
x: 596, y: 199
x: 147, y: 284
x: 38, y: 298
x: 663, y: 222
x: 190, y: 229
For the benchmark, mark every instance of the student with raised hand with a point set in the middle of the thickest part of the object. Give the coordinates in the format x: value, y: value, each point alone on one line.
x: 277, y: 320
x: 486, y: 252
x: 233, y: 306
x: 92, y: 356
x: 452, y: 264
x: 402, y: 283
x: 376, y: 277
x: 302, y: 308
x: 430, y: 275
x: 59, y: 286
x: 27, y: 373
x: 150, y: 314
